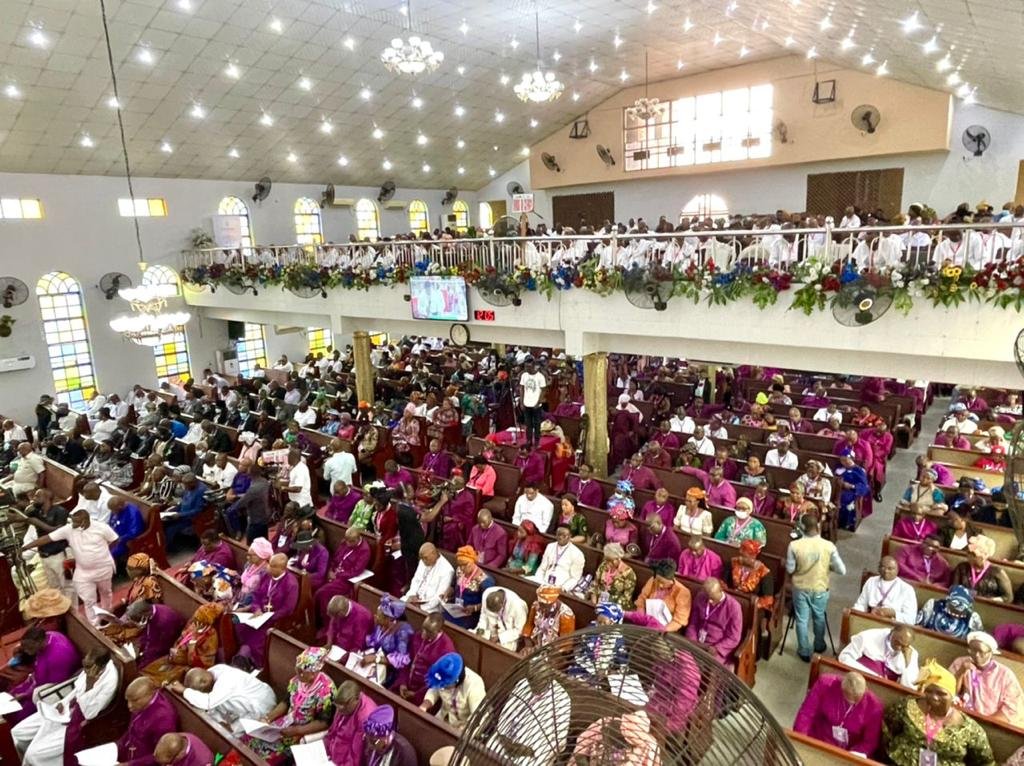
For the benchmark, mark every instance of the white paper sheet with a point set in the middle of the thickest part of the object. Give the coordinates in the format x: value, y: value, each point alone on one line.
x: 336, y: 653
x: 366, y: 574
x: 254, y: 621
x: 455, y: 610
x: 260, y: 729
x: 8, y: 704
x: 103, y: 755
x: 312, y: 754
x: 657, y: 609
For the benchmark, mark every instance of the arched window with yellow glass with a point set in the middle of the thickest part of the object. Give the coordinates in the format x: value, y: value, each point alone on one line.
x: 66, y: 332
x: 367, y: 220
x: 461, y: 212
x: 235, y: 206
x: 419, y: 218
x: 170, y: 357
x: 308, y: 226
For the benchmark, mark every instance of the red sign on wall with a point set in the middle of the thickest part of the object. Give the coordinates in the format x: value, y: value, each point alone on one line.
x: 481, y: 315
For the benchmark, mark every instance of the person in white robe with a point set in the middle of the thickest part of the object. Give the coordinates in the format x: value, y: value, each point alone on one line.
x: 884, y: 652
x: 888, y: 595
x: 502, y: 617
x: 227, y: 694
x: 40, y: 737
x: 562, y: 563
x: 533, y: 727
x: 431, y: 580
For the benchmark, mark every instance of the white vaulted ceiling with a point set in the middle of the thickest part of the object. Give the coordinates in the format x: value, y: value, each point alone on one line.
x: 54, y: 93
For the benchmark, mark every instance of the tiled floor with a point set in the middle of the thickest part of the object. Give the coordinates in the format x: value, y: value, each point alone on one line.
x: 782, y: 680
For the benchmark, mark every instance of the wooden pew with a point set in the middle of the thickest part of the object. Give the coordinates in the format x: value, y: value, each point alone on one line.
x: 213, y: 734
x: 1014, y: 570
x: 965, y: 458
x: 817, y: 753
x: 153, y: 540
x: 1004, y: 538
x: 1003, y: 738
x: 60, y: 480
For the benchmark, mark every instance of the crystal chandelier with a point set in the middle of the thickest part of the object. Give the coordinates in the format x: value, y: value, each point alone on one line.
x: 150, y: 329
x: 538, y: 86
x: 645, y: 108
x: 413, y: 55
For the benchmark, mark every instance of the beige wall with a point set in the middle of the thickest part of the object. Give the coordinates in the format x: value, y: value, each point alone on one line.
x: 913, y: 120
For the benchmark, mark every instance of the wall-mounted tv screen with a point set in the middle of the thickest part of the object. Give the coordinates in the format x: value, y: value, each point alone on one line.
x: 439, y: 298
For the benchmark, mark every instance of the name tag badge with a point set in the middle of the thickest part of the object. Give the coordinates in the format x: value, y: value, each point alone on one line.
x: 551, y: 579
x: 702, y: 636
x: 926, y: 757
x: 841, y: 735
x: 603, y: 597
x: 281, y: 540
x: 458, y: 602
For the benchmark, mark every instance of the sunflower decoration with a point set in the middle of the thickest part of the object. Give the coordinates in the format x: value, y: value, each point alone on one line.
x: 952, y: 273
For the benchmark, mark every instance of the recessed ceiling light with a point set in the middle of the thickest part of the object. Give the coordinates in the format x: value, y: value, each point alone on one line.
x: 717, y: 39
x: 867, y: 59
x: 651, y: 7
x: 266, y: 120
x: 464, y: 27
x: 276, y: 25
x: 350, y: 43
x: 417, y: 102
x: 326, y: 127
x: 185, y: 5
x: 812, y: 53
x: 731, y: 7
x: 425, y: 168
x: 38, y: 38
x: 911, y: 24
x: 292, y: 157
x: 533, y: 122
x: 969, y: 98
x: 931, y: 46
x: 305, y: 83
x: 113, y: 103
x: 847, y: 43
x: 386, y: 164
x: 617, y: 41
x: 492, y: 172
x: 460, y: 170
x: 687, y: 25
x: 592, y: 66
x: 680, y: 64
x: 460, y: 144
x: 623, y: 75
x: 504, y: 79
x: 166, y: 148
x: 953, y: 79
x: 459, y: 110
x: 744, y: 51
x: 764, y: 24
x: 943, y: 64
x: 145, y: 56
x: 556, y: 56
x: 882, y: 69
x: 422, y: 140
x: 11, y: 91
x: 789, y: 42
x: 366, y: 94
x: 577, y: 26
x: 575, y: 96
x: 377, y: 133
x: 513, y: 43
x: 499, y: 116
x: 197, y: 111
x: 86, y: 141
x: 233, y: 154
x: 825, y: 23
x: 232, y: 71
x: 494, y: 147
x: 343, y: 160
x: 525, y: 151
x: 460, y: 69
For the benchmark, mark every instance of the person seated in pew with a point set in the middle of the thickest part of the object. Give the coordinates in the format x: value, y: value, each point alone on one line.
x: 693, y: 516
x: 620, y: 528
x: 454, y: 689
x: 698, y: 562
x: 1010, y: 637
x: 431, y: 579
x: 44, y: 657
x: 922, y: 562
x: 482, y: 477
x: 664, y: 598
x: 95, y: 500
x: 929, y: 730
x: 489, y: 541
x: 570, y: 516
x: 344, y: 740
x: 388, y: 644
x: 661, y: 506
x: 562, y: 563
x: 178, y: 518
x: 285, y: 531
x: 763, y: 504
x: 888, y: 595
x: 625, y: 738
x: 749, y: 575
x: 426, y: 646
x: 42, y: 737
x: 348, y: 624
x: 840, y: 711
x: 468, y: 585
x: 656, y: 456
x: 502, y: 616
x: 525, y: 550
x: 995, y: 512
x: 741, y: 525
x: 885, y: 652
x: 615, y: 581
x: 226, y: 694
x: 341, y: 504
x: 951, y: 438
x: 531, y: 466
x: 311, y: 558
x: 953, y: 615
x: 109, y: 467
x: 308, y: 709
x: 585, y: 487
x: 278, y: 596
x: 457, y: 509
x: 195, y: 647
x: 537, y: 696
x: 212, y: 551
x: 916, y: 526
x: 384, y: 746
x: 150, y: 629
x: 925, y: 494
x: 957, y: 530
x: 660, y: 541
x: 182, y: 749
x: 716, y: 621
x: 255, y: 572
x: 639, y: 475
x: 396, y: 475
x: 535, y: 507
x: 983, y: 578
x: 152, y: 716
x: 985, y: 686
x: 547, y: 619
x: 437, y: 462
x: 350, y: 560
x: 597, y: 657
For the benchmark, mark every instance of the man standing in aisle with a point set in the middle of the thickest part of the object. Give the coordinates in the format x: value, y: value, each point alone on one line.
x: 809, y: 561
x: 531, y: 392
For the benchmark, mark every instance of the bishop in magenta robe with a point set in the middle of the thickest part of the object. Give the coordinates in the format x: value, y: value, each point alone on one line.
x: 145, y: 728
x: 350, y: 559
x: 55, y: 662
x: 918, y: 563
x: 700, y: 566
x: 531, y: 466
x: 825, y: 711
x: 438, y: 463
x: 718, y: 626
x: 426, y: 647
x: 349, y: 631
x: 490, y: 543
x: 587, y: 491
x: 279, y: 595
x: 160, y: 635
x: 344, y: 740
x: 339, y: 508
x: 457, y: 518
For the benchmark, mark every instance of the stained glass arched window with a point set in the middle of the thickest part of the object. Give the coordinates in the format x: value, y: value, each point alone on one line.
x: 235, y: 206
x: 67, y: 337
x: 367, y: 220
x: 706, y: 206
x: 486, y: 216
x: 419, y: 218
x: 320, y: 339
x: 461, y: 211
x: 252, y: 349
x: 308, y: 226
x: 171, y: 356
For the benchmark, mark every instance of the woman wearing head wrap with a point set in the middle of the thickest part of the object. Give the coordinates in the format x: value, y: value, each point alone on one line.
x: 525, y: 550
x: 985, y: 686
x: 979, y: 575
x: 929, y: 731
x: 619, y: 528
x: 251, y: 447
x: 741, y: 525
x: 953, y: 615
x: 547, y: 619
x: 624, y: 740
x: 748, y: 575
x: 143, y: 584
x: 693, y: 516
x: 384, y: 746
x: 388, y: 644
x: 469, y: 584
x: 405, y: 435
x: 615, y: 581
x: 665, y: 598
x: 308, y: 710
x: 569, y: 516
x: 255, y: 572
x: 605, y: 652
x: 459, y: 689
x: 196, y: 647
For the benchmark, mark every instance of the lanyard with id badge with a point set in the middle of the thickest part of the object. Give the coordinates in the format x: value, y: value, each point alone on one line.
x: 840, y: 733
x: 926, y: 756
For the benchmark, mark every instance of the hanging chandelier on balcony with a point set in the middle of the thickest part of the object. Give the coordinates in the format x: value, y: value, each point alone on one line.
x: 412, y: 55
x: 645, y: 108
x: 538, y: 86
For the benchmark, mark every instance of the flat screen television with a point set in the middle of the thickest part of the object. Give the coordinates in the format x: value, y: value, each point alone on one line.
x: 439, y: 298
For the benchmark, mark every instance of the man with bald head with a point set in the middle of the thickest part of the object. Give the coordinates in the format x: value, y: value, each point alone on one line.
x: 432, y: 578
x: 488, y: 540
x: 502, y: 617
x: 840, y: 711
x: 227, y: 694
x: 888, y: 595
x: 277, y: 595
x: 182, y: 749
x: 716, y: 621
x: 888, y: 653
x: 427, y: 646
x: 348, y: 624
x: 152, y: 716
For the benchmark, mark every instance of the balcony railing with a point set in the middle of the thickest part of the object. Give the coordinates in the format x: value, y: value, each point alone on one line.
x: 876, y: 248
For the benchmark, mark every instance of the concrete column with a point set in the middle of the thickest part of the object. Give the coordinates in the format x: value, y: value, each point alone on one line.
x: 364, y: 370
x: 709, y: 392
x: 501, y: 349
x: 595, y: 399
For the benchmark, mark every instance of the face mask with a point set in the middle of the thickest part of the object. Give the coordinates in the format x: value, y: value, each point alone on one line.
x: 742, y: 515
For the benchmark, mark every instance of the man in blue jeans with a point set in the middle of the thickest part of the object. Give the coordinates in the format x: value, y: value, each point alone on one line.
x: 809, y: 561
